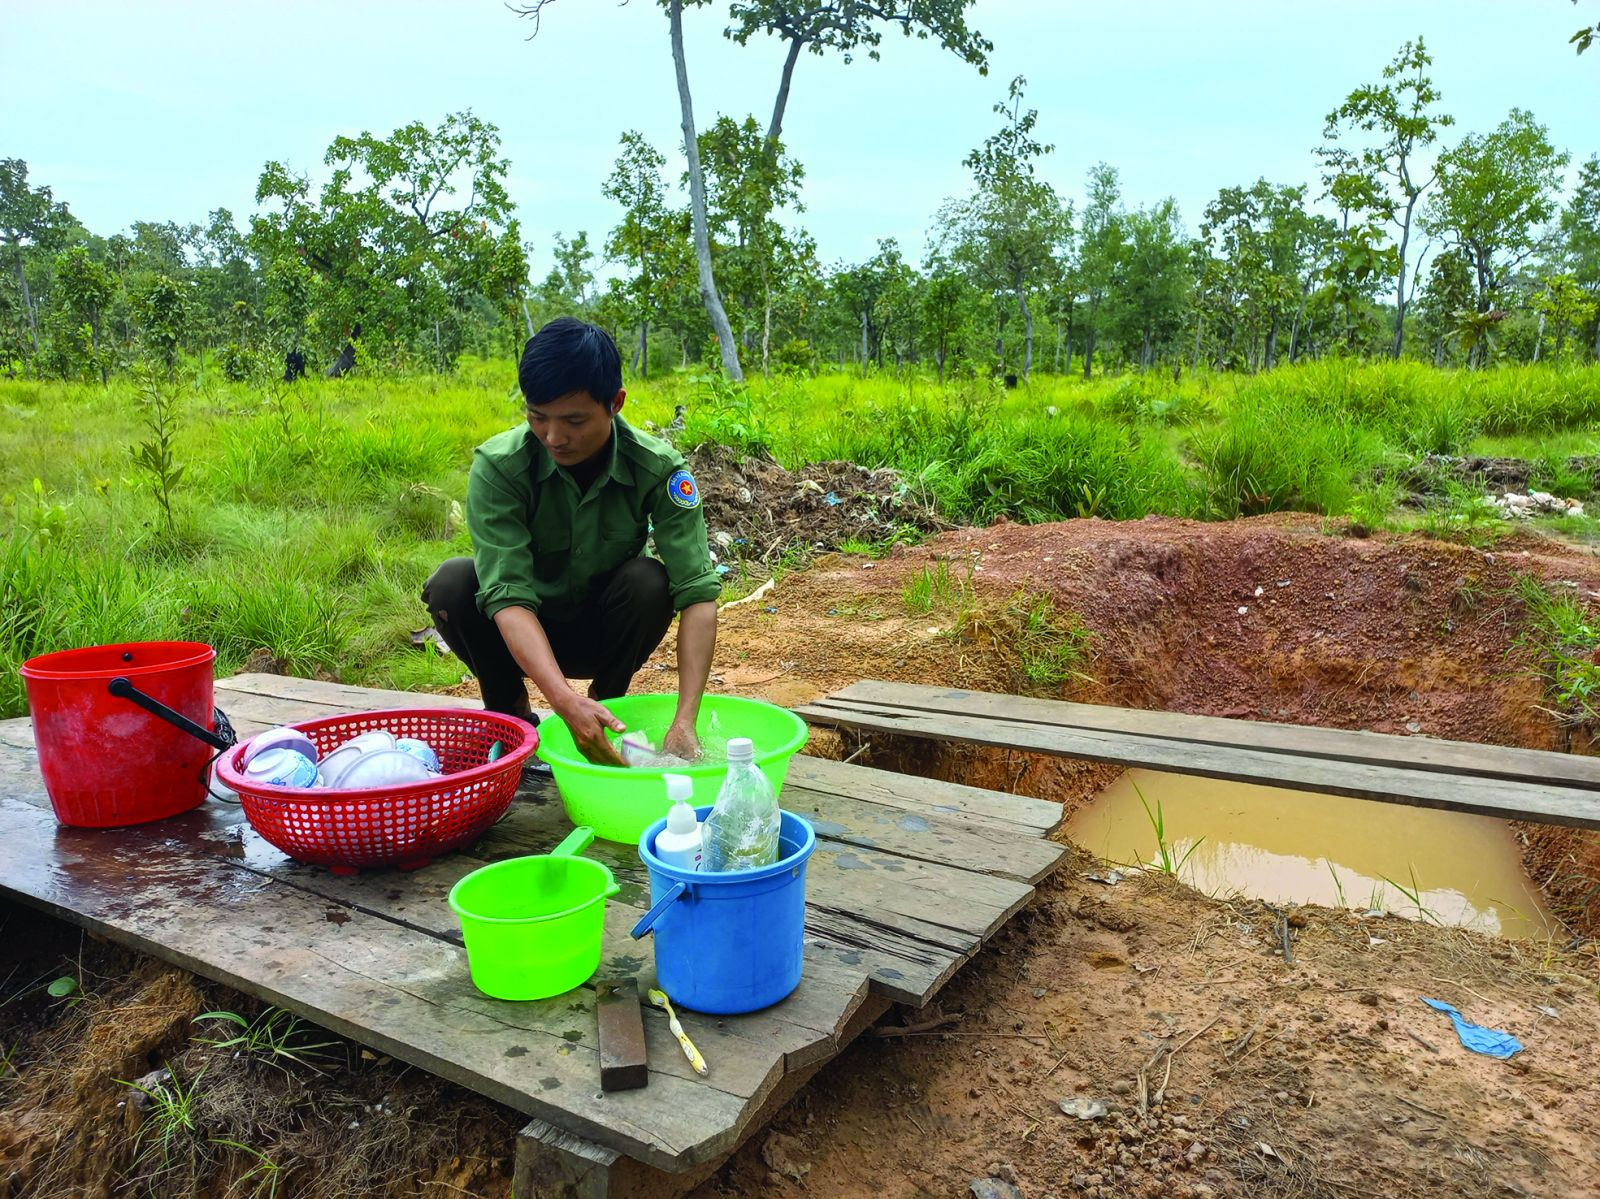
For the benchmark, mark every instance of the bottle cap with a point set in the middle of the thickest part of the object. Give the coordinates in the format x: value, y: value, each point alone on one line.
x: 741, y: 749
x: 680, y: 787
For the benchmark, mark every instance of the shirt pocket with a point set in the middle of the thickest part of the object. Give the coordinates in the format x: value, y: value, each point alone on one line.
x: 552, y: 557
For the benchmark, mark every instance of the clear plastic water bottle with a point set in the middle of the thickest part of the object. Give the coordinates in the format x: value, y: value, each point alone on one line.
x: 742, y: 831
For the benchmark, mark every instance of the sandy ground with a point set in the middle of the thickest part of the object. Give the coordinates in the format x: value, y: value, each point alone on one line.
x: 1224, y: 1069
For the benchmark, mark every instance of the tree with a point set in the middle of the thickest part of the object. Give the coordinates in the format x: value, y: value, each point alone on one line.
x: 1156, y: 282
x: 1580, y: 236
x: 86, y: 289
x: 651, y: 240
x: 1494, y: 191
x: 1100, y: 246
x: 1008, y: 233
x: 697, y: 200
x: 31, y: 217
x: 390, y: 248
x: 1397, y: 116
x: 747, y: 179
x: 842, y: 25
x: 1447, y: 291
x: 1262, y: 238
x: 845, y: 26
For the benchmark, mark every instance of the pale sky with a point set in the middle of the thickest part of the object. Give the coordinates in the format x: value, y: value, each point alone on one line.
x: 167, y: 109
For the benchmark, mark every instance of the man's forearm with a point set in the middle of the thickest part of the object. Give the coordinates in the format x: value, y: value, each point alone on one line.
x: 697, y: 644
x: 525, y: 638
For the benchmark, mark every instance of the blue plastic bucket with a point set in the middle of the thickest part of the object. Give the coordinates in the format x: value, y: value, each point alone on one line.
x: 729, y: 941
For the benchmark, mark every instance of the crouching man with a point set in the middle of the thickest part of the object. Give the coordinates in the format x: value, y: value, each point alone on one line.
x: 558, y: 587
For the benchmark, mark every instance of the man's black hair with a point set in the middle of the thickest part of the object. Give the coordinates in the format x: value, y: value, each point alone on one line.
x: 569, y: 355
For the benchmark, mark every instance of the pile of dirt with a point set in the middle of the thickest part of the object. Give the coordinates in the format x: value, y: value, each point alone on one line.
x: 1490, y: 473
x: 758, y: 511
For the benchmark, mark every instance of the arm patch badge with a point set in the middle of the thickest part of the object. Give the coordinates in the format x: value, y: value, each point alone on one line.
x: 682, y: 491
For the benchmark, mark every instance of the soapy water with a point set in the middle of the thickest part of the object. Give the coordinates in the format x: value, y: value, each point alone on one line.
x: 641, y: 748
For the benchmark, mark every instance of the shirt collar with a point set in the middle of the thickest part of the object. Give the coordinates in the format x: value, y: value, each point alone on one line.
x: 617, y: 466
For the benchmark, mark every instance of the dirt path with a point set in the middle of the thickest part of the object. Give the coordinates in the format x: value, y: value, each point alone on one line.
x: 1320, y: 1076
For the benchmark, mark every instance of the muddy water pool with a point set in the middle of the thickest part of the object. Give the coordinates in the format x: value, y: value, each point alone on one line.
x: 1298, y: 847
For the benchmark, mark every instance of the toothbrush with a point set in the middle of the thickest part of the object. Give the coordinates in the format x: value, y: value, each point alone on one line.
x: 660, y: 1000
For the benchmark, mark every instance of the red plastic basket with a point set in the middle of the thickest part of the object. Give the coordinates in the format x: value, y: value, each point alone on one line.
x: 406, y: 826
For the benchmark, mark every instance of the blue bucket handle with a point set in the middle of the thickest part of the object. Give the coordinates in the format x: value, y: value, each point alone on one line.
x: 649, y: 919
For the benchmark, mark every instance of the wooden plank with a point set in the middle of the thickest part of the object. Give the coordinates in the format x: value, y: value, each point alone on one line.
x: 954, y: 801
x: 386, y: 986
x: 1348, y: 745
x: 623, y: 1065
x: 342, y: 696
x: 981, y: 849
x: 798, y: 1031
x: 751, y: 1053
x: 1574, y: 807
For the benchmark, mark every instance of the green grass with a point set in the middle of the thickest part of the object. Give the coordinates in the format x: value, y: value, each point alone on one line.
x: 305, y: 519
x: 1563, y: 644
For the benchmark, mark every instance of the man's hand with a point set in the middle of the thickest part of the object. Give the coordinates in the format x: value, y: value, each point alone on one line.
x: 681, y: 740
x: 589, y: 721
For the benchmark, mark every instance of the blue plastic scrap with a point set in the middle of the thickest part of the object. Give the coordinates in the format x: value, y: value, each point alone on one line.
x: 1489, y: 1041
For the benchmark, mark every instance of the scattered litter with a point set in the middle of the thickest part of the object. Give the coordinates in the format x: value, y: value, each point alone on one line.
x: 1547, y: 1011
x: 1109, y: 877
x: 422, y: 638
x: 1376, y: 941
x: 754, y: 595
x: 1267, y: 1150
x: 1488, y: 1041
x: 1085, y: 1109
x: 993, y: 1188
x: 1041, y: 992
x: 1521, y: 507
x: 1260, y: 591
x: 832, y: 499
x: 1284, y: 582
x: 1243, y: 609
x: 869, y: 566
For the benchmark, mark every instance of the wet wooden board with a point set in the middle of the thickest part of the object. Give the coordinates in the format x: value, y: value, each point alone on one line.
x: 1346, y: 745
x: 908, y: 881
x: 1508, y: 800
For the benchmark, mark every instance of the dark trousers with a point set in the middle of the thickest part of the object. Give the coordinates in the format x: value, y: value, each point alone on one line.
x: 628, y: 615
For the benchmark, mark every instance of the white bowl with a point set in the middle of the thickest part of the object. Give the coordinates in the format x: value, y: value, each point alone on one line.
x: 383, y: 768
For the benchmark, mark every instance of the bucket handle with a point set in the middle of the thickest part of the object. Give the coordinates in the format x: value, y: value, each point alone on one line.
x: 123, y: 689
x: 574, y: 842
x: 648, y: 921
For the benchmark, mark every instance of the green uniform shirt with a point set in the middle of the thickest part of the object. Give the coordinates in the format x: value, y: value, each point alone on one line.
x: 540, y: 543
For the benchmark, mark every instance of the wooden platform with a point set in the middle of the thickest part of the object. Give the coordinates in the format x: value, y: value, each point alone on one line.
x: 908, y: 880
x: 1490, y: 780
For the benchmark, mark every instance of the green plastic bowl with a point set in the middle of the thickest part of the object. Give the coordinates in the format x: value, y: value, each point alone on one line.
x: 533, y: 925
x: 620, y: 802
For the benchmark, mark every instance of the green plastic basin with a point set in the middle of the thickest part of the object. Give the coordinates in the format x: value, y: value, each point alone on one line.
x: 620, y: 802
x: 533, y: 925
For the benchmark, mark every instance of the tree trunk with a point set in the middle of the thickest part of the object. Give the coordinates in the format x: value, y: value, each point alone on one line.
x: 27, y: 300
x: 1194, y: 363
x: 1299, y: 315
x: 1088, y: 342
x: 438, y: 351
x: 775, y: 127
x: 864, y: 345
x: 697, y: 203
x: 1270, y: 357
x: 1027, y: 327
x: 1400, y: 286
x: 1144, y: 351
x: 938, y: 359
x: 99, y: 359
x: 1538, y: 340
x: 527, y: 317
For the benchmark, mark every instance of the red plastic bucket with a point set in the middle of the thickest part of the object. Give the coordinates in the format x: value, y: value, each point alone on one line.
x: 106, y: 761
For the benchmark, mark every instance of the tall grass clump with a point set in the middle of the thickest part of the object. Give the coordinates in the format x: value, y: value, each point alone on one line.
x: 1277, y: 449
